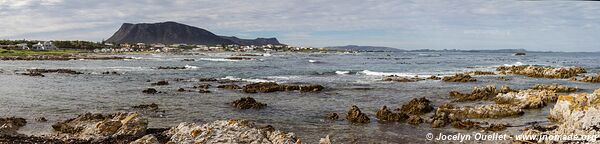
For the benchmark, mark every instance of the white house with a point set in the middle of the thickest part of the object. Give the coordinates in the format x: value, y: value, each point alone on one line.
x: 23, y: 46
x: 45, y: 46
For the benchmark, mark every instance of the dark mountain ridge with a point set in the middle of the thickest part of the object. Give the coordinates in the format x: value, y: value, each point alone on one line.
x: 177, y: 33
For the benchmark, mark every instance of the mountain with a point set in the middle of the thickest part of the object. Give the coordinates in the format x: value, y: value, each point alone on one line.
x: 176, y: 33
x: 365, y: 48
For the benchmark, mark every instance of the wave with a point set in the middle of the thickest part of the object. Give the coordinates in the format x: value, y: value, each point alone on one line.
x: 342, y: 72
x: 515, y: 64
x: 218, y: 59
x: 191, y: 67
x: 313, y: 61
x: 430, y: 55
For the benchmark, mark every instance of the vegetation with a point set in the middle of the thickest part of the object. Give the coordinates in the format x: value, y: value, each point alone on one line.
x: 77, y: 44
x: 5, y: 52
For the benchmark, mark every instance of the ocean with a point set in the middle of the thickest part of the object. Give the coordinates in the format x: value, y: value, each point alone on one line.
x: 349, y: 79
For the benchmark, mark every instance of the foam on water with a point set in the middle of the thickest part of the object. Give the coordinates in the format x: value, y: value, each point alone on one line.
x: 218, y: 59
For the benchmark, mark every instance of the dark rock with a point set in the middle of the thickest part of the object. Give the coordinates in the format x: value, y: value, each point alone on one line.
x: 152, y: 106
x: 496, y: 127
x: 150, y: 91
x: 247, y: 103
x: 110, y: 72
x: 239, y: 58
x: 355, y: 116
x: 100, y: 128
x: 263, y: 87
x: 311, y: 88
x: 268, y: 128
x: 203, y: 86
x: 434, y: 78
x: 181, y: 90
x: 170, y: 67
x: 459, y: 78
x: 10, y: 125
x: 188, y: 60
x: 414, y: 120
x: 417, y: 106
x: 480, y: 73
x: 34, y: 74
x: 41, y: 119
x: 160, y: 83
x: 65, y: 71
x: 384, y: 114
x: 203, y: 91
x: 465, y: 125
x: 332, y: 116
x: 229, y: 86
x: 207, y: 79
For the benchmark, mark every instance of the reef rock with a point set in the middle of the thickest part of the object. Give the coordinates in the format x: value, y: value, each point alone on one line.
x: 355, y: 116
x: 527, y: 99
x: 231, y: 131
x: 161, y: 83
x: 484, y: 111
x: 542, y: 72
x: 480, y: 93
x: 267, y: 87
x: 414, y: 120
x: 150, y: 91
x: 65, y: 71
x: 480, y: 73
x: 247, y: 103
x: 592, y: 79
x: 396, y: 78
x: 459, y: 78
x: 229, y: 86
x: 311, y: 88
x: 384, y: 114
x: 554, y: 87
x: 98, y: 126
x: 152, y: 106
x: 417, y: 106
x: 332, y: 116
x: 9, y: 126
x: 147, y: 139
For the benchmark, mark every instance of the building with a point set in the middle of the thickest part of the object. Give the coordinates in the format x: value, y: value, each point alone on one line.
x: 23, y: 46
x: 44, y: 46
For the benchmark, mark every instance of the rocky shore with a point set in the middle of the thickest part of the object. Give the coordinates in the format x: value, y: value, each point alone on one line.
x: 63, y: 57
x: 542, y: 72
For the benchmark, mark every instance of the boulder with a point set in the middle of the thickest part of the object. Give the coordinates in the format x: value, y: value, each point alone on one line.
x: 459, y: 78
x: 417, y: 106
x: 483, y: 111
x: 205, y: 86
x: 414, y: 120
x: 170, y: 67
x: 65, y: 71
x: 162, y: 82
x: 247, y: 103
x: 592, y: 79
x: 311, y: 88
x: 479, y: 73
x: 478, y: 93
x: 152, y: 106
x: 147, y: 139
x: 434, y: 78
x: 355, y: 116
x: 385, y: 115
x: 332, y: 116
x: 98, y: 126
x: 150, y: 91
x: 263, y: 87
x: 10, y: 125
x: 231, y: 131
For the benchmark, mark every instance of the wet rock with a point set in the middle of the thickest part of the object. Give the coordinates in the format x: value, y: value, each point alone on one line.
x: 396, y: 78
x: 41, y: 119
x: 203, y: 86
x: 65, y: 71
x: 479, y: 93
x: 152, y: 106
x: 181, y: 90
x: 207, y: 79
x: 203, y: 91
x: 417, y: 106
x: 459, y: 78
x: 414, y: 120
x: 480, y: 73
x: 554, y: 87
x: 269, y: 128
x: 229, y: 86
x: 162, y: 82
x: 23, y: 139
x: 188, y: 60
x: 232, y: 131
x: 267, y: 87
x: 98, y: 126
x: 170, y: 67
x: 591, y: 79
x: 150, y: 91
x: 247, y: 103
x: 110, y: 72
x: 527, y: 99
x: 311, y: 88
x: 355, y: 116
x: 434, y: 78
x: 10, y: 125
x: 239, y: 58
x: 542, y: 72
x: 443, y: 117
x: 385, y: 115
x: 263, y: 87
x: 520, y: 54
x: 332, y: 116
x: 33, y: 74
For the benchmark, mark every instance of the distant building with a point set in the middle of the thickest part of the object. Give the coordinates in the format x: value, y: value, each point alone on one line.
x: 23, y: 46
x: 47, y: 45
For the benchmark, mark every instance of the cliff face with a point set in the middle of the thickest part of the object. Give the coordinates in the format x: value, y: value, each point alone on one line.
x: 174, y: 33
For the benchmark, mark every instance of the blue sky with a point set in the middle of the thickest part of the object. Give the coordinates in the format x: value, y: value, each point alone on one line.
x: 533, y: 25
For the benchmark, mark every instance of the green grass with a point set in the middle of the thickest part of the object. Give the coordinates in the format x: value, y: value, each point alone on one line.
x: 5, y: 52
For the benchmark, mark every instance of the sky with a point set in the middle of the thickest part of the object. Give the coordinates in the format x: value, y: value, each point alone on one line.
x: 419, y: 24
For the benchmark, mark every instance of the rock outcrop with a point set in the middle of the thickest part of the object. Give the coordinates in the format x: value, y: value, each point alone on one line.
x: 247, y: 103
x: 384, y: 114
x: 417, y: 106
x: 542, y: 72
x: 159, y: 83
x: 229, y: 86
x: 480, y: 73
x: 591, y: 79
x: 10, y: 125
x: 267, y: 87
x: 356, y: 116
x: 554, y: 87
x: 231, y: 131
x: 396, y: 78
x: 65, y: 71
x: 527, y: 99
x: 459, y: 78
x: 480, y: 93
x: 99, y: 126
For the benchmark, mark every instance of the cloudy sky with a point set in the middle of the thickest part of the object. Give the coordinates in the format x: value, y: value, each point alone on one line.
x: 533, y: 25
